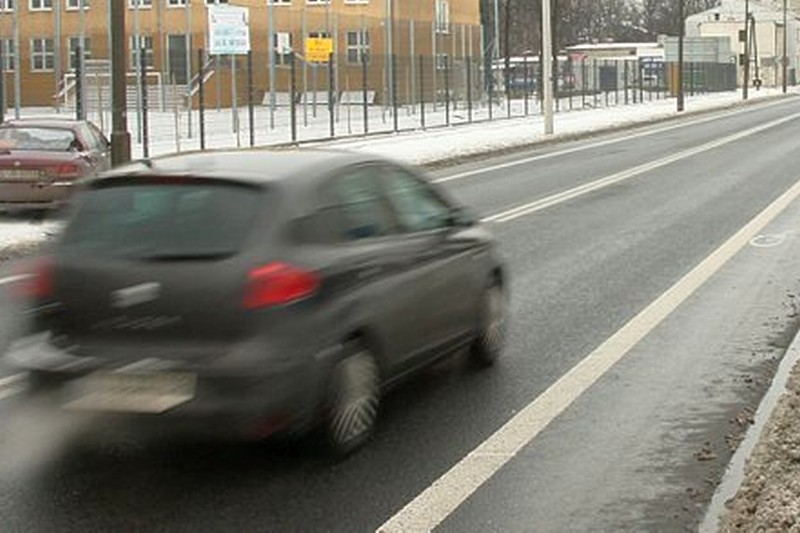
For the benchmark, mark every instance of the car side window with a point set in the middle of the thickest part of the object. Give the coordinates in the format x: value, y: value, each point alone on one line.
x: 417, y: 205
x: 100, y: 138
x: 87, y: 138
x: 360, y: 210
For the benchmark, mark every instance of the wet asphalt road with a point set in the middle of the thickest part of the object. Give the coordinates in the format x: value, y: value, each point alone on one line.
x: 640, y: 450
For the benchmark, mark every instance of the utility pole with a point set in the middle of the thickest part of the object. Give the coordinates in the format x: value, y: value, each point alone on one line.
x: 390, y: 48
x: 681, y: 31
x: 496, y: 44
x: 785, y: 59
x: 746, y: 82
x: 547, y: 66
x: 17, y: 63
x: 120, y: 138
x: 271, y: 52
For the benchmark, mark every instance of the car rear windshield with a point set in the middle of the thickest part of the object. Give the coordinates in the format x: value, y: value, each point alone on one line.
x: 42, y: 139
x: 158, y: 221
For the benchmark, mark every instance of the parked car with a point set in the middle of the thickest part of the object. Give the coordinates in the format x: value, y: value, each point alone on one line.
x: 258, y: 292
x: 42, y: 159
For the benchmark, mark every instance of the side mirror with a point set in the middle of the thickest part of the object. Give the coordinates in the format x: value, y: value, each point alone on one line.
x: 463, y: 217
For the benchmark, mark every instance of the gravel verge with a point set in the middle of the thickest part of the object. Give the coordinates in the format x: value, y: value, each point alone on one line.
x: 769, y: 498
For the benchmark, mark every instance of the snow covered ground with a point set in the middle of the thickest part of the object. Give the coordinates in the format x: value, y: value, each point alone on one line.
x: 417, y: 146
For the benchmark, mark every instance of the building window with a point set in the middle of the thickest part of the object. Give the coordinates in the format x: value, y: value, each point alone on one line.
x: 442, y: 16
x: 318, y: 2
x: 282, y: 45
x: 357, y: 46
x: 8, y: 55
x: 279, y: 2
x: 215, y: 2
x: 6, y: 5
x: 441, y: 61
x: 72, y: 44
x: 143, y: 4
x: 362, y: 2
x: 145, y: 43
x: 74, y: 5
x: 176, y: 3
x: 41, y: 5
x: 42, y: 55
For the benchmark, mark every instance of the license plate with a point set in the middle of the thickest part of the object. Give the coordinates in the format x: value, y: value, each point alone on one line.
x: 18, y: 174
x: 131, y: 392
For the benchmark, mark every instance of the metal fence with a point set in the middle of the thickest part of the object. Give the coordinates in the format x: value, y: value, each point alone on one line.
x: 233, y: 101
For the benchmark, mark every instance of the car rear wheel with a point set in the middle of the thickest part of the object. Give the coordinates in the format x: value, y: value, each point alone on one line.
x: 352, y: 401
x: 491, y: 333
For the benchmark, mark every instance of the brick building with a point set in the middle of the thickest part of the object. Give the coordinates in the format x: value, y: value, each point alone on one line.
x: 42, y: 36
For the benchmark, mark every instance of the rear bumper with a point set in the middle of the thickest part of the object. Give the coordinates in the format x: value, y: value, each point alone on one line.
x: 248, y: 402
x: 23, y: 195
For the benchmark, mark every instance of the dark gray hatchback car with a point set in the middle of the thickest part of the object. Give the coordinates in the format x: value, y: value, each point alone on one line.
x: 260, y: 292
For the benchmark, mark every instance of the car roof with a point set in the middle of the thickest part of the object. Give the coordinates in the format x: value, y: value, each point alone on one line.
x: 297, y: 166
x: 45, y: 122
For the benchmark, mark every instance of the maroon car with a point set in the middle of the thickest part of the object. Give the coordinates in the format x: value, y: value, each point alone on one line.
x: 42, y: 159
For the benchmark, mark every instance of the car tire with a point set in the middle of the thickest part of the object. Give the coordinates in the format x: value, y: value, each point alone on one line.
x: 352, y: 401
x: 490, y: 338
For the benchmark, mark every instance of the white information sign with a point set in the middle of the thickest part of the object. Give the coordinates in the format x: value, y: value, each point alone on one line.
x: 228, y: 30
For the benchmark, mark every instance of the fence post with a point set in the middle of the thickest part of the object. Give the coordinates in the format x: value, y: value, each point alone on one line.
x: 331, y: 82
x: 78, y: 84
x: 2, y: 85
x: 469, y: 87
x: 446, y: 91
x: 145, y: 128
x: 200, y: 99
x: 625, y: 85
x: 364, y: 91
x: 422, y: 90
x: 250, y: 110
x: 595, y: 84
x: 525, y: 82
x: 584, y: 82
x: 292, y: 89
x: 393, y: 66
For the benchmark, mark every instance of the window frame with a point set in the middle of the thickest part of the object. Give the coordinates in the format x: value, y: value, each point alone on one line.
x: 42, y: 54
x: 41, y: 7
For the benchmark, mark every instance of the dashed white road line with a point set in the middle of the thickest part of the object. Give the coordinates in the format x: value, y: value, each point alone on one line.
x: 13, y: 279
x: 12, y: 380
x: 447, y: 493
x: 599, y: 144
x: 549, y: 201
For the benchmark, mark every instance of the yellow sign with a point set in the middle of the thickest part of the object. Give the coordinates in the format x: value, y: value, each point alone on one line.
x: 319, y: 50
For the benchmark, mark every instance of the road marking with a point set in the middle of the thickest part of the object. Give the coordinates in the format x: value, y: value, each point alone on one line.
x: 12, y: 380
x: 13, y: 279
x: 599, y: 144
x: 447, y: 493
x: 549, y: 201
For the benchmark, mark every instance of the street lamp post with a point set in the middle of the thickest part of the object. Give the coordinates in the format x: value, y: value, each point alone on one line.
x: 785, y: 58
x: 746, y: 81
x: 547, y: 67
x: 120, y: 138
x: 681, y: 31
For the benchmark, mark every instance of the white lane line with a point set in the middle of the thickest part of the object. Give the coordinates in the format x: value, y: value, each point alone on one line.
x: 12, y: 380
x: 549, y: 201
x: 10, y: 391
x: 447, y: 493
x: 567, y: 151
x: 13, y: 279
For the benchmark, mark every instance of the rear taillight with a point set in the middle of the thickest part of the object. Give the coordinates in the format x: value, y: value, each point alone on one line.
x: 67, y: 170
x: 35, y: 280
x: 278, y: 284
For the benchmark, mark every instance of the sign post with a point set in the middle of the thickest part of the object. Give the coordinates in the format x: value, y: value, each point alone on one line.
x: 229, y: 34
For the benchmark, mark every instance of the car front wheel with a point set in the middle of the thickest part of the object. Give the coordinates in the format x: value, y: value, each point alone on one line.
x: 491, y: 332
x: 352, y: 401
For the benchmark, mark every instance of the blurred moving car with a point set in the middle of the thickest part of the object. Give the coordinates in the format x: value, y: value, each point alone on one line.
x: 258, y: 292
x: 42, y: 159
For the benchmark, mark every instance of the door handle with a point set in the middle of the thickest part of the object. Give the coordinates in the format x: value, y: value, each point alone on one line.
x: 369, y: 272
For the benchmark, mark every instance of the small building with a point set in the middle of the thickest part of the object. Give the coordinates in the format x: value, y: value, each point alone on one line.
x: 766, y: 35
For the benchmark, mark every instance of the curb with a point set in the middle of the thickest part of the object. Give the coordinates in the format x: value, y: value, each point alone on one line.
x: 734, y: 474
